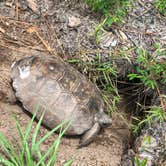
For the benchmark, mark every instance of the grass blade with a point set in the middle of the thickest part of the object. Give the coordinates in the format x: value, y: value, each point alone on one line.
x: 8, y: 148
x: 35, y: 134
x: 68, y: 163
x: 52, y: 151
x: 6, y: 162
x: 28, y: 129
x: 55, y: 144
x: 49, y: 134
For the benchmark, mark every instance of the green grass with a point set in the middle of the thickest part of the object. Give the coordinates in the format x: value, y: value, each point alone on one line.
x: 112, y: 10
x: 161, y: 6
x: 151, y: 71
x: 139, y: 162
x: 29, y: 153
x: 155, y: 112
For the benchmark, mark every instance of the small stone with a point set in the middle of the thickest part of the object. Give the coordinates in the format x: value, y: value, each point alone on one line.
x: 74, y: 21
x: 114, y: 42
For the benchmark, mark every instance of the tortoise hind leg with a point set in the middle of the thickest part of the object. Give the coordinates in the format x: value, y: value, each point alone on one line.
x: 89, y: 136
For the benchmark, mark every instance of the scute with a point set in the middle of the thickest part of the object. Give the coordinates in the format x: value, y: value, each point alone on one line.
x: 65, y: 105
x: 52, y: 69
x: 83, y: 91
x: 68, y: 81
x: 93, y: 103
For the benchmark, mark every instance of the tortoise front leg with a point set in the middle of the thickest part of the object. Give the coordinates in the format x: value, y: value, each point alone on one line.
x: 89, y: 136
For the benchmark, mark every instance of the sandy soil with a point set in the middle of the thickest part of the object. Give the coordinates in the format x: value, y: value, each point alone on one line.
x: 106, y: 150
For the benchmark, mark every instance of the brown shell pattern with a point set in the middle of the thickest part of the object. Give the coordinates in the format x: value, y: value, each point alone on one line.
x: 63, y: 91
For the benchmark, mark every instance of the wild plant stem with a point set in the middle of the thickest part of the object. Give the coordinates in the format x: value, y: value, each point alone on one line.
x: 161, y: 99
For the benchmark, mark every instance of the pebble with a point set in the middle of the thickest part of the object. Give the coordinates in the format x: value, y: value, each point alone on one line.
x: 74, y: 21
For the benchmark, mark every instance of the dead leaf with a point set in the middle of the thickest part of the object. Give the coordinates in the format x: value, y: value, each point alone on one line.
x: 122, y: 34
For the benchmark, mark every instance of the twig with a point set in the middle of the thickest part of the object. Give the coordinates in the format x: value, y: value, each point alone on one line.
x: 161, y: 99
x: 47, y: 46
x: 4, y: 18
x: 33, y: 29
x: 54, y: 36
x: 16, y: 3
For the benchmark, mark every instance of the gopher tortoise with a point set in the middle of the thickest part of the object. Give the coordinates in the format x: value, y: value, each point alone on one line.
x: 65, y: 93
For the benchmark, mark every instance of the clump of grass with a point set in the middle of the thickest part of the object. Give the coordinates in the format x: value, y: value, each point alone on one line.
x: 161, y: 6
x: 151, y: 71
x: 30, y: 154
x: 139, y: 162
x: 154, y: 112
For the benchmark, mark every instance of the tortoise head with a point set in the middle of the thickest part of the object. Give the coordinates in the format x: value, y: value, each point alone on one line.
x: 97, y: 105
x: 103, y: 119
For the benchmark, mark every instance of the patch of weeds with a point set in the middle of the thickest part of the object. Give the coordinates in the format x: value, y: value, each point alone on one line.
x: 139, y: 162
x: 103, y: 74
x: 99, y: 30
x: 155, y: 112
x: 30, y: 154
x: 113, y: 11
x: 161, y: 6
x: 151, y: 71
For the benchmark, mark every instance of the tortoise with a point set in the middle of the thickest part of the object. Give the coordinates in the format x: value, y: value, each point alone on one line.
x: 65, y: 92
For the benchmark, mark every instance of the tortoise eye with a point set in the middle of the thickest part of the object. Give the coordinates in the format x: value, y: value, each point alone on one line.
x: 104, y: 124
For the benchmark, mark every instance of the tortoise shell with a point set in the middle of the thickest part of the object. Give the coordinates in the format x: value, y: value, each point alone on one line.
x: 62, y: 91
